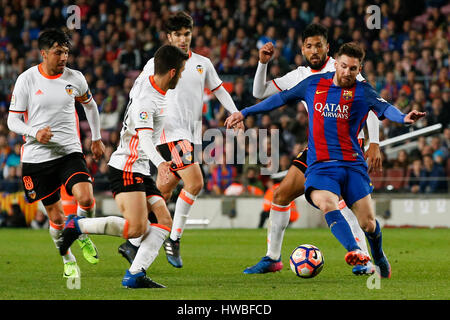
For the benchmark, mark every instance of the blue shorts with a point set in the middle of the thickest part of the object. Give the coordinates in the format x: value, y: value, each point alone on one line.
x: 349, y: 180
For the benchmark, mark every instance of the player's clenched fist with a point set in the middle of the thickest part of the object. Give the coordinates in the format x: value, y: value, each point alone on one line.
x: 266, y: 52
x: 97, y: 149
x: 44, y: 135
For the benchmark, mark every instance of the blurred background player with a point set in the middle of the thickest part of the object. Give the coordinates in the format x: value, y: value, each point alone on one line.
x: 273, y: 184
x: 338, y: 105
x: 315, y: 49
x: 182, y: 129
x: 129, y: 172
x: 43, y: 110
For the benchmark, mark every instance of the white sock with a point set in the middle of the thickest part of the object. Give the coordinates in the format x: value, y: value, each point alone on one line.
x: 111, y: 225
x: 86, y: 211
x: 279, y: 220
x: 358, y: 233
x: 183, y: 205
x: 55, y: 231
x: 136, y: 241
x: 152, y: 241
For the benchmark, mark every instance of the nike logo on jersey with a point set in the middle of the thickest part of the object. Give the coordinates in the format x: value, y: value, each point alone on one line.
x: 319, y: 92
x: 39, y: 92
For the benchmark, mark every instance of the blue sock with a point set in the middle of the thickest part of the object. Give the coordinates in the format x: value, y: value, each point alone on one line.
x: 341, y: 230
x: 375, y: 242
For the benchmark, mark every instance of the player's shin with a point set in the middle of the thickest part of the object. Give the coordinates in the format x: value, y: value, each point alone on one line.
x: 375, y: 241
x: 152, y: 241
x: 86, y: 211
x: 113, y: 226
x: 341, y: 230
x: 279, y: 220
x: 136, y: 241
x: 352, y: 221
x: 183, y: 206
x: 55, y: 231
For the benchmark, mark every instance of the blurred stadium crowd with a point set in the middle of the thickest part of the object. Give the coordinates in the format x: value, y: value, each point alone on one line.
x: 407, y: 61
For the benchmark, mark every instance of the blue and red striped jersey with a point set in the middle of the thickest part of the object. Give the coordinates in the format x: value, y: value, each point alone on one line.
x: 336, y: 116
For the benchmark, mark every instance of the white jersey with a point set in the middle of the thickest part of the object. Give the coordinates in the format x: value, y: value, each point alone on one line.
x: 291, y: 79
x: 50, y: 101
x: 145, y: 111
x: 185, y: 102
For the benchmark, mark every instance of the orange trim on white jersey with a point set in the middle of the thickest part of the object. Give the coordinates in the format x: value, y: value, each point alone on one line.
x: 42, y: 72
x: 217, y: 87
x: 162, y: 139
x: 154, y: 85
x: 127, y: 170
x: 13, y: 111
x: 77, y: 121
x: 276, y: 85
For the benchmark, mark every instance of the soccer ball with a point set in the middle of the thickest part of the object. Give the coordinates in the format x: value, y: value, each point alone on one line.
x: 306, y: 261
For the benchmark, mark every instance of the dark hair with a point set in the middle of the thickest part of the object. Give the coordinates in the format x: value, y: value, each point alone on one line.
x: 51, y: 36
x: 315, y: 29
x: 169, y: 57
x: 352, y: 49
x: 178, y: 21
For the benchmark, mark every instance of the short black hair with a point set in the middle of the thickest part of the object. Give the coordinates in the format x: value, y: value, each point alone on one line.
x: 315, y: 29
x: 169, y: 57
x: 352, y: 49
x: 178, y: 21
x: 49, y: 37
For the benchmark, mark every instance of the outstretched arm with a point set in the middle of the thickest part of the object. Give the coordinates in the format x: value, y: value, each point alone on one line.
x: 384, y: 109
x: 225, y: 99
x: 267, y: 105
x: 277, y: 100
x: 393, y: 114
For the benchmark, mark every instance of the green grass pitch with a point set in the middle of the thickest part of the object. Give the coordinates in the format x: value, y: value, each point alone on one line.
x: 30, y: 268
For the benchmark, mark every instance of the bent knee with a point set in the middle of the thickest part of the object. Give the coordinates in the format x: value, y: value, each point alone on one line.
x: 326, y: 205
x: 368, y: 225
x: 55, y: 215
x: 194, y: 187
x: 137, y: 230
x: 166, y: 222
x: 86, y: 201
x: 281, y: 198
x: 166, y: 192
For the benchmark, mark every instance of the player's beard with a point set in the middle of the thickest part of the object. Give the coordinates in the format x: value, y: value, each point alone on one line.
x: 318, y: 65
x: 173, y: 82
x: 345, y: 82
